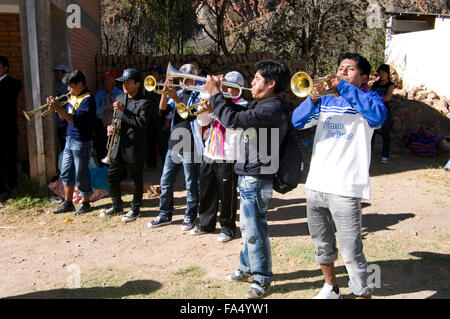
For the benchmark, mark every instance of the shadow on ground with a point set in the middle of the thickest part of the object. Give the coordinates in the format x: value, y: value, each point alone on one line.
x: 425, y: 272
x: 131, y: 288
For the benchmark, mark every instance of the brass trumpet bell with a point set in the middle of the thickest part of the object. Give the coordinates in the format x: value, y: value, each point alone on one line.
x: 302, y: 85
x: 184, y: 111
x: 150, y: 85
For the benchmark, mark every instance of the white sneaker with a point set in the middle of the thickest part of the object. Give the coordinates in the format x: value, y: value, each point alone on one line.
x: 327, y: 292
x: 223, y: 238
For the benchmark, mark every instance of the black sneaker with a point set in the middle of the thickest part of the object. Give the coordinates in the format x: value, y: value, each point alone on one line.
x: 84, y: 207
x: 111, y: 212
x: 158, y: 222
x: 257, y: 290
x: 64, y: 208
x: 187, y: 224
x: 131, y: 216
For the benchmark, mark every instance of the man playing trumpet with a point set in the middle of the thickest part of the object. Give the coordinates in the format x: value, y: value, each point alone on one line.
x: 176, y: 157
x: 133, y: 112
x: 339, y: 173
x: 80, y: 116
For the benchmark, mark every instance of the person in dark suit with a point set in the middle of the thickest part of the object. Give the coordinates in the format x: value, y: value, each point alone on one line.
x: 132, y: 115
x: 9, y: 91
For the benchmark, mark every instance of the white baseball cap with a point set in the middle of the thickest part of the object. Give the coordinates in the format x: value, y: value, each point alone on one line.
x: 235, y: 77
x: 188, y: 68
x: 63, y: 67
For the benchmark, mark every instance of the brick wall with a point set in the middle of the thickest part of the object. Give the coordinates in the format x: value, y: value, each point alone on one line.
x: 92, y: 8
x: 11, y: 47
x: 85, y: 45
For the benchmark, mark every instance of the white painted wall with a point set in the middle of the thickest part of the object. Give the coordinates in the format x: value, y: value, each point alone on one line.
x: 423, y: 57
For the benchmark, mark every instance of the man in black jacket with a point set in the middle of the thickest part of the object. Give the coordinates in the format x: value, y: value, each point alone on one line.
x: 9, y: 91
x: 265, y: 125
x: 132, y: 113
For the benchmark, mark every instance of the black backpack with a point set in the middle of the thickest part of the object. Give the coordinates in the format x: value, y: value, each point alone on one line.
x: 291, y: 164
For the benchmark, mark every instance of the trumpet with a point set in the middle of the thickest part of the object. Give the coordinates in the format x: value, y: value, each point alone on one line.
x: 184, y: 111
x: 173, y: 73
x: 150, y: 85
x: 29, y: 114
x: 302, y: 85
x: 112, y: 139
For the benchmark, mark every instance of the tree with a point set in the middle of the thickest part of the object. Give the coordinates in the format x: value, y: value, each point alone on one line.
x: 146, y: 26
x: 228, y: 23
x: 313, y: 31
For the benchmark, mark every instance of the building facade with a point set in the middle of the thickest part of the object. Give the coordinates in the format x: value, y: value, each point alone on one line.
x: 37, y: 35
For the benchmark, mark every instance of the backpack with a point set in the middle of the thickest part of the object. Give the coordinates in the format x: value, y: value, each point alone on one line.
x: 423, y: 143
x: 291, y: 164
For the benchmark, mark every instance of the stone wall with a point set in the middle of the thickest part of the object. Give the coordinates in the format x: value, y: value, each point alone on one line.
x: 211, y: 64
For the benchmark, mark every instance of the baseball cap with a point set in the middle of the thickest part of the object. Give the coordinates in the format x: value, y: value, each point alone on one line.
x: 157, y: 68
x: 188, y: 68
x: 385, y: 68
x: 63, y: 67
x: 235, y: 77
x: 110, y: 74
x: 130, y: 74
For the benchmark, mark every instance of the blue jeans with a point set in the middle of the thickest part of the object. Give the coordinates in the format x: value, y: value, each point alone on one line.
x: 330, y: 213
x: 255, y: 256
x: 172, y: 163
x: 75, y: 165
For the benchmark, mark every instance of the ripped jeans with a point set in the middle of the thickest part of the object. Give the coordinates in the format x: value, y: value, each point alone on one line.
x: 255, y: 256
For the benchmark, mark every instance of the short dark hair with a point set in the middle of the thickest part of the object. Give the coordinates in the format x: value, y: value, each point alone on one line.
x: 4, y: 60
x: 363, y: 64
x: 75, y: 77
x: 274, y: 70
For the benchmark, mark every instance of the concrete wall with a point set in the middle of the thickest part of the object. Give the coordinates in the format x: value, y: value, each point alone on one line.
x: 422, y: 58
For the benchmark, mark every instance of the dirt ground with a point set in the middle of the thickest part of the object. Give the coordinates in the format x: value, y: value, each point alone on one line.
x: 410, y: 204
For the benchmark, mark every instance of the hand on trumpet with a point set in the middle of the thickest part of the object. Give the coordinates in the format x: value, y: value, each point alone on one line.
x: 171, y: 92
x: 119, y: 106
x: 53, y: 104
x: 213, y: 84
x: 328, y: 83
x: 109, y: 130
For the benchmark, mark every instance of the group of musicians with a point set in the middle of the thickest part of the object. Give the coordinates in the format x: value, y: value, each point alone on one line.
x: 338, y: 177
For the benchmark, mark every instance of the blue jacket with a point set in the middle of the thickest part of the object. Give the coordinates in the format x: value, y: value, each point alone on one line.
x: 195, y: 127
x: 350, y: 100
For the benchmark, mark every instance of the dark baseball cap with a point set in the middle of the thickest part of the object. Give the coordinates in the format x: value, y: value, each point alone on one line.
x: 130, y: 74
x: 385, y: 68
x: 157, y: 68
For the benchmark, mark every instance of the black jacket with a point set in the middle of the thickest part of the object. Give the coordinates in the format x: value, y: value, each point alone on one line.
x: 134, y: 121
x: 9, y: 91
x: 257, y: 120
